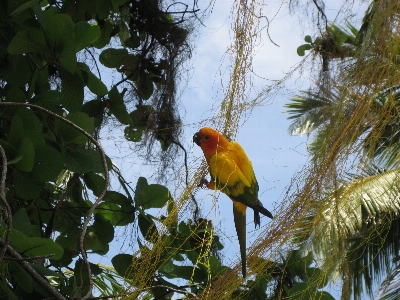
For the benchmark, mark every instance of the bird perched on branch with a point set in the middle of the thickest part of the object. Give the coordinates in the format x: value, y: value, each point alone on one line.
x: 232, y: 173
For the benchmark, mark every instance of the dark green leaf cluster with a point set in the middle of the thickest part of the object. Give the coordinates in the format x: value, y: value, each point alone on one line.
x: 296, y: 278
x: 54, y: 170
x: 335, y: 43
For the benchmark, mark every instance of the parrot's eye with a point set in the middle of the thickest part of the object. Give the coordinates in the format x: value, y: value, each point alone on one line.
x: 206, y: 138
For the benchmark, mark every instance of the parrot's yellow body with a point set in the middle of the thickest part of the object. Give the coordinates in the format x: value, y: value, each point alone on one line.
x: 233, y: 174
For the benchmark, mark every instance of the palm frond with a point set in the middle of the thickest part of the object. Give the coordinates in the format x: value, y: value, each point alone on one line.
x: 390, y: 287
x: 309, y: 111
x: 357, y: 223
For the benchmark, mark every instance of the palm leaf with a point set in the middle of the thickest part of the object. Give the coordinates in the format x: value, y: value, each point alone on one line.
x: 356, y: 224
x: 390, y: 287
x: 309, y: 111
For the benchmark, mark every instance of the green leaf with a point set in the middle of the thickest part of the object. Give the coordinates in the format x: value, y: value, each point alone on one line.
x: 103, y: 229
x: 117, y: 198
x: 145, y: 86
x: 36, y: 137
x: 23, y: 43
x: 37, y: 8
x: 153, y: 196
x: 64, y: 261
x: 168, y: 267
x: 17, y: 71
x: 117, y: 208
x: 147, y: 227
x: 29, y: 120
x: 301, y: 49
x: 105, y: 37
x: 95, y: 85
x: 21, y: 222
x: 308, y: 39
x: 122, y: 263
x: 300, y: 291
x: 25, y: 187
x: 72, y: 91
x: 16, y: 131
x: 79, y: 161
x: 48, y: 164
x: 47, y: 272
x: 15, y: 94
x: 23, y: 279
x: 41, y: 246
x: 11, y: 152
x: 123, y: 33
x: 71, y: 135
x: 58, y: 26
x: 48, y: 97
x: 217, y: 269
x: 140, y: 185
x: 33, y: 246
x: 117, y: 3
x: 85, y: 35
x: 112, y: 58
x: 193, y: 256
x: 134, y: 134
x: 97, y: 163
x: 69, y: 240
x: 94, y: 108
x: 323, y: 296
x: 27, y: 151
x: 184, y: 229
x: 25, y: 6
x: 94, y: 182
x: 131, y: 65
x: 100, y: 248
x: 117, y: 106
x: 67, y: 57
x: 134, y: 40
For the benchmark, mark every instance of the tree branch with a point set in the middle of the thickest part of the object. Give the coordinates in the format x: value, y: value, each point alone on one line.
x: 29, y: 258
x: 4, y: 201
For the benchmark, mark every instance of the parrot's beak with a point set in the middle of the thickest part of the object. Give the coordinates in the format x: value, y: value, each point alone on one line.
x: 197, y: 139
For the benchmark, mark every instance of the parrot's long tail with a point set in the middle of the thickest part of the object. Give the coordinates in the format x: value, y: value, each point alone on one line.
x: 259, y: 208
x: 239, y: 215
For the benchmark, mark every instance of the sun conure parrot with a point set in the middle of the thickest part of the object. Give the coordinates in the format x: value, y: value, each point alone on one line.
x: 232, y: 173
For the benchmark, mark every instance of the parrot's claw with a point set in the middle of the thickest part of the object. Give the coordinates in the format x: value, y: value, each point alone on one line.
x: 203, y: 182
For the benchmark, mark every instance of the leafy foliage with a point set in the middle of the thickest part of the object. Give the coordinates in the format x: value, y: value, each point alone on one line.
x: 51, y: 103
x: 352, y: 225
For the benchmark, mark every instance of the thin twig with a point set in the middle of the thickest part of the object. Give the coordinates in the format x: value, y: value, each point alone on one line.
x: 95, y: 62
x: 4, y: 200
x: 28, y: 269
x: 106, y: 183
x: 321, y: 11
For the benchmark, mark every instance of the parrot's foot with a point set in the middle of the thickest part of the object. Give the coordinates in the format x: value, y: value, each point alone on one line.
x: 203, y: 182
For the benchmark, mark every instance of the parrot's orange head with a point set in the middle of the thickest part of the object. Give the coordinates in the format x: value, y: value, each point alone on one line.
x: 209, y: 139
